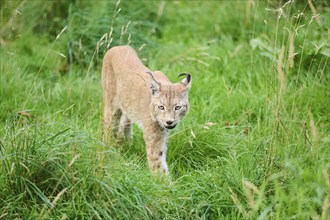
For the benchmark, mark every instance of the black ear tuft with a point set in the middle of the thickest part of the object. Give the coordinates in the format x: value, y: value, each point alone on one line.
x: 186, y: 81
x: 154, y: 85
x: 188, y: 76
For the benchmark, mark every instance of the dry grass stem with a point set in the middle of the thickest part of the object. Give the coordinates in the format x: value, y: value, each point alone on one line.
x: 291, y: 50
x: 250, y: 189
x: 315, y: 14
x: 325, y: 207
x: 281, y: 77
x: 237, y: 202
x: 58, y: 196
x: 315, y: 133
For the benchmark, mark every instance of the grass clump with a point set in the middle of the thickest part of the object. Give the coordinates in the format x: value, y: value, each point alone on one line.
x: 255, y: 144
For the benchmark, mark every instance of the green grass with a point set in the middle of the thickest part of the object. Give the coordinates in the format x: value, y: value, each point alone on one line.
x: 254, y: 145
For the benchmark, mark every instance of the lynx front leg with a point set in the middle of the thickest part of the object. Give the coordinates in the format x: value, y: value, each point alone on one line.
x: 156, y: 150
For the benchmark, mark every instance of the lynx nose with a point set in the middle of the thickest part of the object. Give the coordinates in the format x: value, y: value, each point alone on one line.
x: 169, y: 122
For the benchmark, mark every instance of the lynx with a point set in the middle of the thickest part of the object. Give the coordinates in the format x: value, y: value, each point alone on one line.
x: 133, y: 93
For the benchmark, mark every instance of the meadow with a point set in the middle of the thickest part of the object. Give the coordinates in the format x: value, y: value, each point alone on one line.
x: 255, y: 144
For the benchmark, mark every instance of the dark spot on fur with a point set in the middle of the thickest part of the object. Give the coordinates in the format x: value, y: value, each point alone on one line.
x: 160, y: 153
x: 154, y: 158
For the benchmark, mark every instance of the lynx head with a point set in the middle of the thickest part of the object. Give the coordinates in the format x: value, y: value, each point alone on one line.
x: 169, y: 102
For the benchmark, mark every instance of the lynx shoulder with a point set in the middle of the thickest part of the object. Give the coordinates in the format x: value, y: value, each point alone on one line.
x: 132, y: 93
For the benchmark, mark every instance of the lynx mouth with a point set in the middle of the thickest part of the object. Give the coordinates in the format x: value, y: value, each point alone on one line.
x: 170, y: 127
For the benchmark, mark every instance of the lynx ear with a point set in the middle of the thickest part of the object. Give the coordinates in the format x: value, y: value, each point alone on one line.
x: 186, y: 81
x: 154, y: 85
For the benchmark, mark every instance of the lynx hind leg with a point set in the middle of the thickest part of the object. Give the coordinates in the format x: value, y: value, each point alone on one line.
x: 115, y: 124
x: 125, y: 128
x: 111, y: 118
x: 107, y: 118
x: 108, y: 89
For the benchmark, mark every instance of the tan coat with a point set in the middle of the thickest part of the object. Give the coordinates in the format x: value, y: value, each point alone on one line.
x: 134, y: 94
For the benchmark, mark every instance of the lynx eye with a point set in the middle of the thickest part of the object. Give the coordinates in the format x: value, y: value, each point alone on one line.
x: 178, y: 107
x: 161, y: 107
